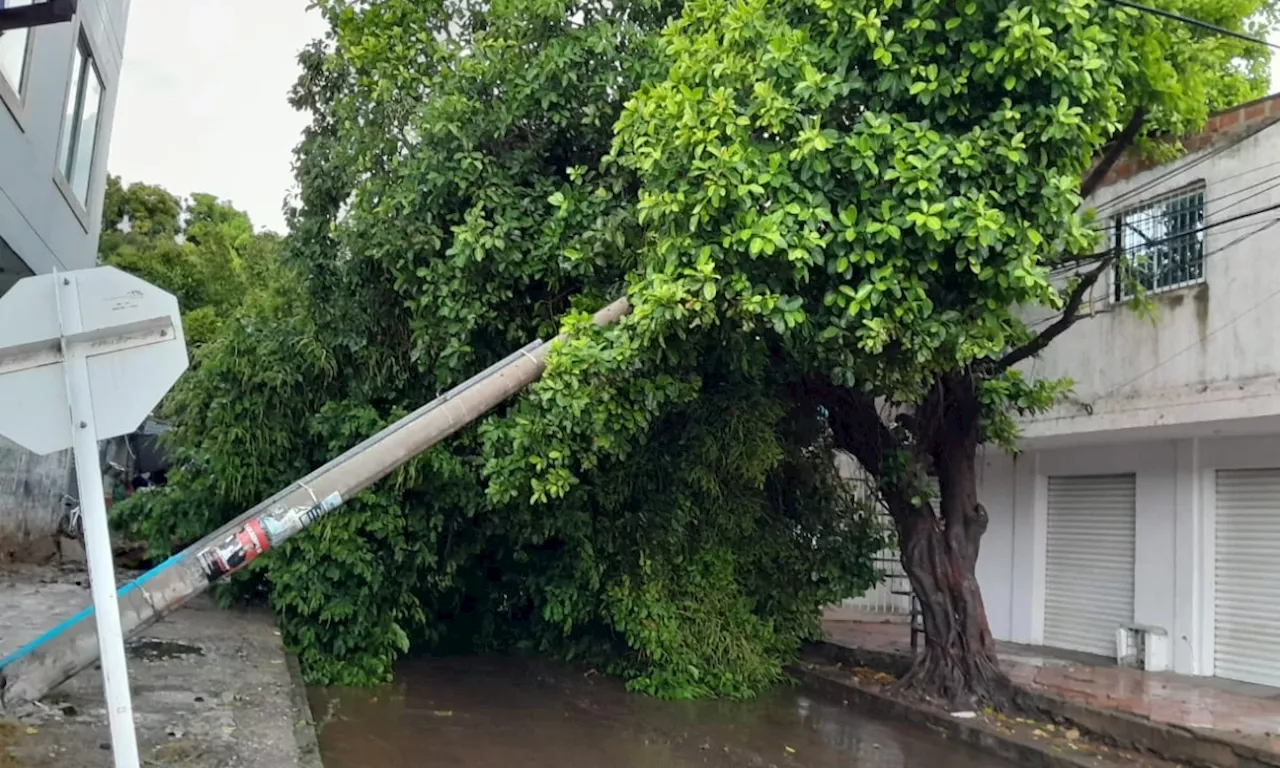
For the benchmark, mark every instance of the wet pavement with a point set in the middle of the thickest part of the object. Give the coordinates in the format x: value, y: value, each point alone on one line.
x: 211, y: 688
x: 495, y: 713
x: 1177, y: 700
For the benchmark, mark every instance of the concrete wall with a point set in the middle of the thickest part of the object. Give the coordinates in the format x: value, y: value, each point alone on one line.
x: 1211, y: 353
x: 40, y: 218
x: 1173, y: 565
x: 43, y: 225
x: 31, y: 489
x: 1170, y: 399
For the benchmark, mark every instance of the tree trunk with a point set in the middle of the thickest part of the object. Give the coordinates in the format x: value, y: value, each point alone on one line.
x: 939, y: 549
x: 940, y: 555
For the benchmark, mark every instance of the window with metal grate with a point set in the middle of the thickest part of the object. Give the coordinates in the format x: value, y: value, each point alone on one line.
x: 1161, y: 242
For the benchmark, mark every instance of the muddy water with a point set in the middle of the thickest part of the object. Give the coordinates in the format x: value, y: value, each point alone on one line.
x: 502, y: 713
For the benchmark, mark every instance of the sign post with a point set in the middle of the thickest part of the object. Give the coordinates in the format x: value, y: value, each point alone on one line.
x: 86, y: 356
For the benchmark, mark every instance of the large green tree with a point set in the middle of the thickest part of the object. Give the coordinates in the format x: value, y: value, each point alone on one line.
x: 872, y: 195
x: 203, y: 250
x: 456, y: 201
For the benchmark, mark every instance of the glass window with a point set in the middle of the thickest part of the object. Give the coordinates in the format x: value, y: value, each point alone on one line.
x: 1161, y: 242
x: 80, y: 123
x: 13, y: 50
x: 69, y: 116
x: 88, y: 135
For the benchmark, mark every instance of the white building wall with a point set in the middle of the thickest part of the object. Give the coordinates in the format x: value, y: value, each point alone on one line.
x: 43, y: 226
x: 995, y: 561
x: 1171, y: 399
x: 1211, y: 353
x: 40, y: 218
x: 1173, y: 572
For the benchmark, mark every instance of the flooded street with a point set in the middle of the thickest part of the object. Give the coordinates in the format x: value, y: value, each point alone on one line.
x: 496, y: 713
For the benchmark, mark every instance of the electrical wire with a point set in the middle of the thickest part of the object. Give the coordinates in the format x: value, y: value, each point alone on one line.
x: 1174, y: 171
x: 1216, y: 329
x: 1104, y: 219
x: 1076, y: 264
x: 1207, y: 227
x: 1219, y: 253
x: 1107, y: 227
x: 1193, y: 22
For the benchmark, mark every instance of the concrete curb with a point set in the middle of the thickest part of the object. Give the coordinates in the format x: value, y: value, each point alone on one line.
x: 1196, y: 747
x: 304, y: 730
x: 1016, y: 749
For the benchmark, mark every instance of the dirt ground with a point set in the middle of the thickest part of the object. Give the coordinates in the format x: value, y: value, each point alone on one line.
x: 210, y: 688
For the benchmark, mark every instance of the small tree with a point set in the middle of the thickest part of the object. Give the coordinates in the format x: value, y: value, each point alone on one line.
x: 870, y: 195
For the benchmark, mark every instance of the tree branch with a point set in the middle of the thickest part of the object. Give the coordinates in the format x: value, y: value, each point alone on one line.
x: 1070, y: 314
x: 1071, y: 311
x: 855, y: 422
x: 1111, y: 156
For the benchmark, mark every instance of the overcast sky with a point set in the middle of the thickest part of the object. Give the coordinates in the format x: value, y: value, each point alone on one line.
x: 202, y: 105
x: 202, y: 99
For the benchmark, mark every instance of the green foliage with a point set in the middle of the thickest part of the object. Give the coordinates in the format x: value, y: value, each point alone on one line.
x: 458, y: 200
x: 204, y: 251
x: 876, y: 191
x: 859, y: 201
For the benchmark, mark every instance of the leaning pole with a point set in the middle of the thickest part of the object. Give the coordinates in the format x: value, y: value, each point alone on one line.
x: 40, y: 666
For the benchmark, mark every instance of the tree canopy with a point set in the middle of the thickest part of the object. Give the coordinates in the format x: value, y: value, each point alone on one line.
x: 830, y: 218
x: 423, y: 249
x: 202, y: 250
x: 877, y: 193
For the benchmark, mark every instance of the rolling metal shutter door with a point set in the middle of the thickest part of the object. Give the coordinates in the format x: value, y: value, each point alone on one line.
x: 1246, y: 622
x: 1089, y: 562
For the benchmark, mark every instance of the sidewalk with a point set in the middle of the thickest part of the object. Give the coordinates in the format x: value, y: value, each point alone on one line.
x: 211, y: 688
x: 1237, y: 712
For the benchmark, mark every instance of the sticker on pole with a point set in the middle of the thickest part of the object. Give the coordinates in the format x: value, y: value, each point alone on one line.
x: 128, y: 331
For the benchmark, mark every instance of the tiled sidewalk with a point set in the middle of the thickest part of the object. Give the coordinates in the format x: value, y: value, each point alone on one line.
x: 1190, y: 702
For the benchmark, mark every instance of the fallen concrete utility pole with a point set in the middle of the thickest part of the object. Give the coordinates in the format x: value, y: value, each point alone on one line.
x: 38, y: 667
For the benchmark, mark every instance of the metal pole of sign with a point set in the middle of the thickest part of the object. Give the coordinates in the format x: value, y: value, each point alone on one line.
x: 97, y: 537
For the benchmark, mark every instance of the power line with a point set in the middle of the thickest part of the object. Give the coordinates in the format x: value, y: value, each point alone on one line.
x: 1075, y: 264
x: 1107, y: 226
x: 1208, y: 227
x: 1103, y: 220
x: 1138, y: 190
x: 1216, y: 329
x: 1193, y: 22
x: 1216, y: 253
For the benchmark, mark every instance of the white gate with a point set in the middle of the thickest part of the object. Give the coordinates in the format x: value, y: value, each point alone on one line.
x: 891, y: 596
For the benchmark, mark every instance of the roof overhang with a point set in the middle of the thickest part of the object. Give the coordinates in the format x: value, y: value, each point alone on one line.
x: 36, y: 14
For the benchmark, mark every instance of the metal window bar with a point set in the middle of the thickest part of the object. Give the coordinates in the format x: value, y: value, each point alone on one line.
x: 1160, y: 242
